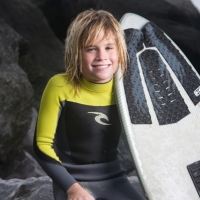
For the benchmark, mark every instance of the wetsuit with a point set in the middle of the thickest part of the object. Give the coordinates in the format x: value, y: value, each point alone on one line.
x: 77, y: 136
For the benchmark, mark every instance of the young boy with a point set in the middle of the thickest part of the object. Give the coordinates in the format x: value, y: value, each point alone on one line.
x: 78, y: 126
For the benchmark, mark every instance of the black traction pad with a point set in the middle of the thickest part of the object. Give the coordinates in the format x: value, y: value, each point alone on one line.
x: 194, y: 170
x: 137, y: 104
x: 153, y: 36
x: 168, y: 104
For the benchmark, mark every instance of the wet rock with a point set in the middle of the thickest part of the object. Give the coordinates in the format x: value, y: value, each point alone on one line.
x: 21, y: 165
x: 45, y: 57
x: 27, y: 143
x: 41, y: 3
x: 16, y: 94
x: 31, y: 188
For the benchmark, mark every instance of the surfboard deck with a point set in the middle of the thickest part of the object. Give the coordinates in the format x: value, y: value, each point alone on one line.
x: 158, y: 101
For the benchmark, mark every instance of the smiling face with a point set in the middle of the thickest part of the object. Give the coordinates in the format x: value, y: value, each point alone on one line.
x: 100, y: 59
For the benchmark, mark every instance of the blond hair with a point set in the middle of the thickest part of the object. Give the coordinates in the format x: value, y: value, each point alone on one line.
x: 82, y: 32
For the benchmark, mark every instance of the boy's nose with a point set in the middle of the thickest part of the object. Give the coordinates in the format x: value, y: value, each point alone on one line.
x: 101, y: 55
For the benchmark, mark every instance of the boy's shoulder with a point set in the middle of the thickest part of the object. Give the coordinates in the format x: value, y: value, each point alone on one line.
x: 59, y: 80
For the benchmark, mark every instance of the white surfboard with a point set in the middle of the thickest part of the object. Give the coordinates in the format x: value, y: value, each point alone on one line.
x: 159, y: 105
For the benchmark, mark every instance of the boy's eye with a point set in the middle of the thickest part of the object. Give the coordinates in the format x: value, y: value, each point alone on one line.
x: 110, y: 47
x: 90, y: 49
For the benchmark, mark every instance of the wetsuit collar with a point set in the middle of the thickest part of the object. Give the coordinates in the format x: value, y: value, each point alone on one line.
x: 103, y: 87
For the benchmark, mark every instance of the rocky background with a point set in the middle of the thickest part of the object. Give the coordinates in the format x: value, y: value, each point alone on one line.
x: 32, y: 34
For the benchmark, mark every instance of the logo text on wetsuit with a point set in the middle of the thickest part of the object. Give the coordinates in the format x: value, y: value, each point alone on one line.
x: 99, y: 117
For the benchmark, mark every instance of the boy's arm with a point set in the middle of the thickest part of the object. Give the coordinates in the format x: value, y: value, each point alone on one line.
x: 45, y: 132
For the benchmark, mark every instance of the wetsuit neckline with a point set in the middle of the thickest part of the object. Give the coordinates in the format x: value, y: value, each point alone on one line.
x: 103, y: 87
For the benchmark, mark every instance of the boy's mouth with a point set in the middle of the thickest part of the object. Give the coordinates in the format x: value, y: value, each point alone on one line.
x: 101, y: 66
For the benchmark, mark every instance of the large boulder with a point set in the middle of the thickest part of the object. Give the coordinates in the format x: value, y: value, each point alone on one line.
x: 27, y: 143
x: 45, y: 57
x: 21, y: 165
x: 17, y: 116
x: 16, y: 93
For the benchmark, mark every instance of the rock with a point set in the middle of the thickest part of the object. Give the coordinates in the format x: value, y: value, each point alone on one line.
x: 31, y: 188
x: 16, y: 93
x: 27, y: 143
x: 21, y: 165
x: 45, y: 57
x: 52, y: 11
x: 41, y: 3
x: 186, y: 7
x: 17, y: 116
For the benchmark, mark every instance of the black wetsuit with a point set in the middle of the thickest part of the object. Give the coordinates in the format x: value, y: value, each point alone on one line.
x: 77, y: 137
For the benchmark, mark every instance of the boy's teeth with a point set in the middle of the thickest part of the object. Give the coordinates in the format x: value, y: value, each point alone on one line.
x: 101, y: 66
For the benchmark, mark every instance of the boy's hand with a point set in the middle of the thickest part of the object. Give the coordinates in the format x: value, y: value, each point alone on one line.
x: 76, y: 192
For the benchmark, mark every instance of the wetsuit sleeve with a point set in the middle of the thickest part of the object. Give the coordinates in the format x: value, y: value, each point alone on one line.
x: 45, y: 132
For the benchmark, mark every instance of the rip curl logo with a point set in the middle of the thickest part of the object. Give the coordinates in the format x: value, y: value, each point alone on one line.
x: 100, y: 118
x: 197, y: 92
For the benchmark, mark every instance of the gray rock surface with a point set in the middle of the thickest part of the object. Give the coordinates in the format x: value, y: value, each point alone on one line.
x: 15, y: 95
x: 28, y: 189
x: 17, y: 115
x: 45, y: 55
x: 21, y: 165
x: 27, y: 143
